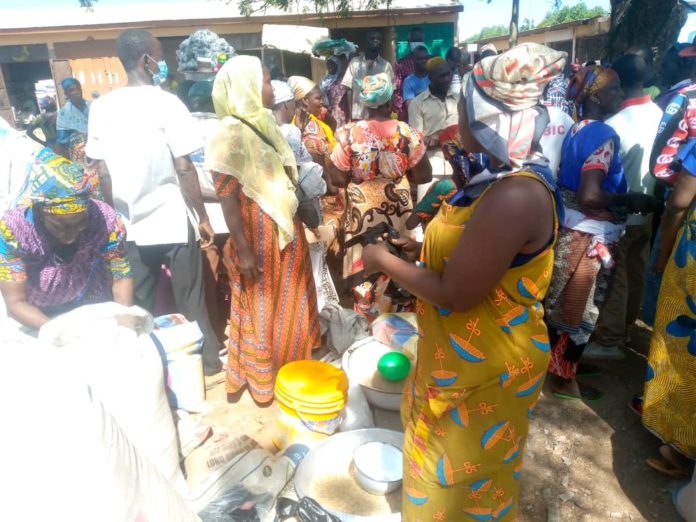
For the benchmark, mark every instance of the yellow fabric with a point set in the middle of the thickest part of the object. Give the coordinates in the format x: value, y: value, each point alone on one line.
x: 300, y: 86
x: 466, y: 405
x: 330, y: 138
x: 669, y: 399
x: 235, y: 149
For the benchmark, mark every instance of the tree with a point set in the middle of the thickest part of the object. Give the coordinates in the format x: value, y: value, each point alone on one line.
x: 653, y: 22
x: 489, y: 32
x: 570, y: 13
x: 527, y: 25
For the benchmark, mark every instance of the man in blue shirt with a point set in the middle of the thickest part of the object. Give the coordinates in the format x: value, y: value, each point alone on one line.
x: 416, y: 83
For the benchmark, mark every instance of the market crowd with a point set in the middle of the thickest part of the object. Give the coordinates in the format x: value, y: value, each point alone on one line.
x: 532, y: 209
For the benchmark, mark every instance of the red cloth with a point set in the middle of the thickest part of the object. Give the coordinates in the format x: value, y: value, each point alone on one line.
x: 402, y: 69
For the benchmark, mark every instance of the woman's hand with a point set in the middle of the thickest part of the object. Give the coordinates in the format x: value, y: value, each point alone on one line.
x: 372, y: 256
x: 248, y: 264
x: 643, y: 203
x: 410, y: 247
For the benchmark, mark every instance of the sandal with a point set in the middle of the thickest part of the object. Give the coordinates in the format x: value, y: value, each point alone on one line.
x: 635, y: 404
x: 587, y: 393
x: 588, y: 370
x: 666, y: 468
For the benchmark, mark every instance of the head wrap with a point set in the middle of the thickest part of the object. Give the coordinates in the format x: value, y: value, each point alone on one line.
x: 57, y: 184
x: 587, y: 82
x: 67, y: 82
x: 502, y: 100
x: 490, y: 48
x: 202, y: 89
x: 282, y: 92
x: 236, y: 150
x: 436, y: 62
x: 376, y: 90
x: 300, y: 86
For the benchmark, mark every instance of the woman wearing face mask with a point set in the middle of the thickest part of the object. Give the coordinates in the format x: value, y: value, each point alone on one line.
x: 594, y: 188
x: 60, y: 249
x: 274, y: 317
x: 485, y: 266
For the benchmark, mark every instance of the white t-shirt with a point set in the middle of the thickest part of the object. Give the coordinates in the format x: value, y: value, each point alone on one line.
x: 636, y: 124
x: 552, y: 140
x: 138, y: 131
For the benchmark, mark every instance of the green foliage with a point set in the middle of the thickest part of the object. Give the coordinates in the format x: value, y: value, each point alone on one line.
x: 342, y: 7
x: 565, y: 14
x: 490, y: 32
x: 527, y: 24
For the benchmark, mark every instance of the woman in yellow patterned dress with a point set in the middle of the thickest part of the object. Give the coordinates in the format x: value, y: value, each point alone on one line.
x: 669, y: 400
x: 485, y: 267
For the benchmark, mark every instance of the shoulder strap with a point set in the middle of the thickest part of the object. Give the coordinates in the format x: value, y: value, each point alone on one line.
x: 267, y: 142
x: 257, y: 132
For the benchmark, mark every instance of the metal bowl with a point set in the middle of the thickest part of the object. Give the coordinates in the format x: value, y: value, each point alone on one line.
x: 387, y: 400
x: 378, y: 467
x: 335, y: 456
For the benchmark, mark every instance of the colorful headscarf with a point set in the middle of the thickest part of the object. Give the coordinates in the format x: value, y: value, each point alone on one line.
x: 502, y: 100
x: 57, y: 184
x: 586, y: 83
x: 67, y: 82
x: 376, y: 90
x: 236, y: 150
x: 300, y: 86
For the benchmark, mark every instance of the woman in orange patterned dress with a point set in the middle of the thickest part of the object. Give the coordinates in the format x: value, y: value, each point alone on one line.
x: 375, y: 159
x: 274, y: 317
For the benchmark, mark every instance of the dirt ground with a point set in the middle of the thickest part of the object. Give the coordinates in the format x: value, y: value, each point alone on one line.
x: 584, y: 462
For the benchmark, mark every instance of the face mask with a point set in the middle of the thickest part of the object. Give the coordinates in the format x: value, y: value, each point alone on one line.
x: 161, y: 76
x: 413, y: 45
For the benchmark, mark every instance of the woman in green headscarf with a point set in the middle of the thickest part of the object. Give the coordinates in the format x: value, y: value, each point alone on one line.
x: 274, y: 318
x: 375, y: 159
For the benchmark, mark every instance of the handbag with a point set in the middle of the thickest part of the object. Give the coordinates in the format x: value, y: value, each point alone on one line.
x: 307, y: 210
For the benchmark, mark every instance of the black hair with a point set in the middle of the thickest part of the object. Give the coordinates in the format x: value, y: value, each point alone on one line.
x: 454, y: 53
x: 632, y: 70
x: 131, y: 45
x: 644, y: 51
x: 374, y: 30
x: 413, y: 31
x: 421, y: 48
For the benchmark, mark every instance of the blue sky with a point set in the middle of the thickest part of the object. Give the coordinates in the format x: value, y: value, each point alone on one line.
x: 477, y: 13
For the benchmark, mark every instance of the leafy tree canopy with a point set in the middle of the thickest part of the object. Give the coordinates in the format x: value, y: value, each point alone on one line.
x: 490, y: 32
x: 565, y: 14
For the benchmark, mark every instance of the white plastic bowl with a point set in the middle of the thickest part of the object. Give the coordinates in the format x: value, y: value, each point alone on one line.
x: 378, y: 467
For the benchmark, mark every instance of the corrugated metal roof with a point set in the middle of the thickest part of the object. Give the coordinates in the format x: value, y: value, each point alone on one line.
x: 200, y: 10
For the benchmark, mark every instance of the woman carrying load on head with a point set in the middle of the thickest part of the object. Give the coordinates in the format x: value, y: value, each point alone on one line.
x: 484, y: 269
x: 274, y: 317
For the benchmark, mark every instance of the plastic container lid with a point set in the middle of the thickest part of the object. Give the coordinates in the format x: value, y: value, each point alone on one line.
x: 312, y: 383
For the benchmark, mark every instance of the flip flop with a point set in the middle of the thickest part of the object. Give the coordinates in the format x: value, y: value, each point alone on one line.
x: 635, y: 404
x: 587, y: 393
x: 668, y: 469
x: 588, y: 370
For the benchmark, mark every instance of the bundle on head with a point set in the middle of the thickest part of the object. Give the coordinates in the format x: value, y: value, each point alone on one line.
x: 203, y: 43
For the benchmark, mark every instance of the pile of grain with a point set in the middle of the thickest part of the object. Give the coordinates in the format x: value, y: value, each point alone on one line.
x: 340, y: 492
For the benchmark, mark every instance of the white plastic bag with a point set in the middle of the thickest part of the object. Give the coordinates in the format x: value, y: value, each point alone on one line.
x: 357, y: 413
x: 68, y: 459
x: 108, y: 344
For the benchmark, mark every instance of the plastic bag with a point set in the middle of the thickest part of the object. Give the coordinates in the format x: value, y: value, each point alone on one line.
x: 342, y: 326
x: 306, y: 510
x: 357, y: 413
x: 237, y: 505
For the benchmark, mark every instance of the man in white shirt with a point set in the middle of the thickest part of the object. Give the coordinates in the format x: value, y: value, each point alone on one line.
x: 431, y: 112
x: 368, y: 63
x: 636, y: 124
x: 142, y: 137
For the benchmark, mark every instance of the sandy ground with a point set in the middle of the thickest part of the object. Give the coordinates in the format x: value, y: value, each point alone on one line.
x: 584, y: 462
